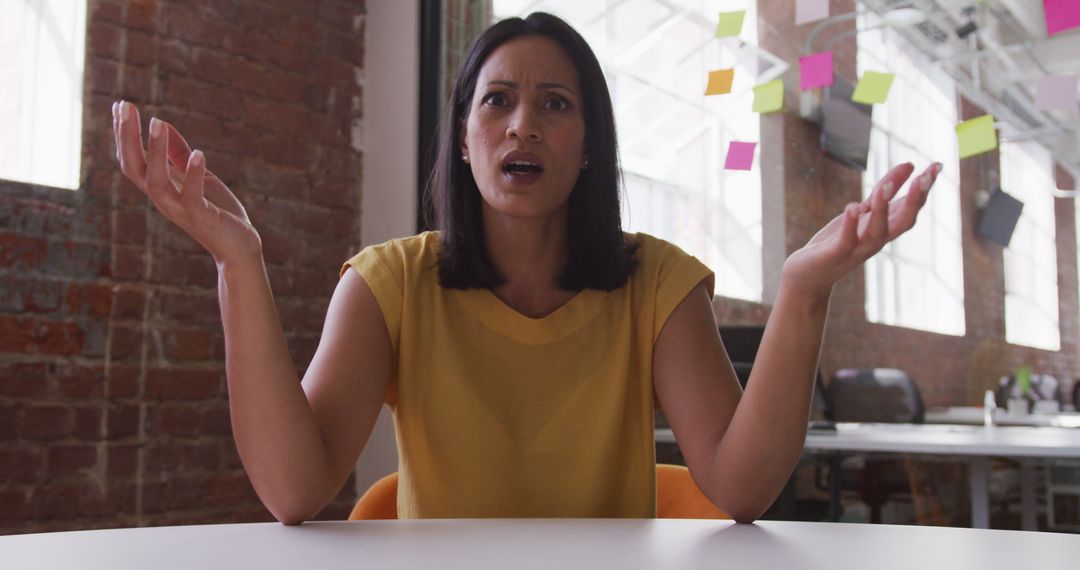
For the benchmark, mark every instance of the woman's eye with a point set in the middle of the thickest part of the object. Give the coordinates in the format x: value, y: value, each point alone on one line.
x: 557, y: 104
x: 495, y: 99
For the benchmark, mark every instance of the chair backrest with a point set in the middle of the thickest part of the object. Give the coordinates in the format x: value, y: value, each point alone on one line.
x: 677, y: 497
x: 885, y: 395
x: 741, y: 343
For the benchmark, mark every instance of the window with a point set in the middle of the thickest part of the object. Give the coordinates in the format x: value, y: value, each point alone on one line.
x: 672, y: 139
x: 41, y: 88
x: 1031, y: 294
x: 916, y: 281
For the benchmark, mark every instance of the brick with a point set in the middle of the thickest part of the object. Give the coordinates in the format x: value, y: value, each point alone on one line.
x: 23, y: 380
x: 33, y: 336
x: 202, y: 456
x: 30, y: 295
x: 22, y: 464
x: 128, y: 302
x: 123, y: 381
x: 91, y: 299
x: 104, y: 40
x: 228, y: 489
x: 126, y: 343
x: 122, y: 461
x: 246, y: 76
x: 9, y: 414
x: 138, y: 86
x: 183, y: 384
x: 22, y: 252
x: 71, y: 460
x: 181, y: 269
x: 129, y: 225
x: 45, y: 422
x: 178, y: 420
x: 57, y: 501
x: 188, y: 24
x: 190, y: 309
x: 16, y: 512
x: 76, y: 260
x: 142, y: 15
x: 141, y: 49
x: 129, y: 263
x: 173, y: 57
x: 161, y: 458
x: 276, y: 182
x: 212, y: 66
x: 286, y: 87
x: 123, y: 421
x: 87, y: 423
x: 79, y: 381
x: 189, y: 344
x: 216, y: 420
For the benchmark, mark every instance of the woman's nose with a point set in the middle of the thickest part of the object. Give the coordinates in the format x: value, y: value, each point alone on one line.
x: 523, y: 125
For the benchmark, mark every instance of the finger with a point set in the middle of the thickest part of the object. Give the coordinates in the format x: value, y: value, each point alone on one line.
x: 191, y: 193
x: 897, y: 175
x: 116, y: 129
x: 132, y: 155
x: 179, y: 150
x: 877, y: 227
x: 157, y: 172
x: 903, y: 218
x: 849, y: 230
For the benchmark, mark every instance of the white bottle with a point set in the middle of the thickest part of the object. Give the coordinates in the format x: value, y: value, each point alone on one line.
x: 989, y: 407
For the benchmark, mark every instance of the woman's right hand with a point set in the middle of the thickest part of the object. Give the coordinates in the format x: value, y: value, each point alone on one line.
x: 181, y: 188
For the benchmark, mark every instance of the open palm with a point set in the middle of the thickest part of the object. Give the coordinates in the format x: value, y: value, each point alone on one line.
x: 181, y: 188
x: 860, y: 231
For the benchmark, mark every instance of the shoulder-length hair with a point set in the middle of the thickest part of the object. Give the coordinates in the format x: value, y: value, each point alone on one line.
x: 598, y: 255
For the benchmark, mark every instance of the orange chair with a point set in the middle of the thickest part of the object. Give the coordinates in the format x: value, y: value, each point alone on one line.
x: 677, y: 497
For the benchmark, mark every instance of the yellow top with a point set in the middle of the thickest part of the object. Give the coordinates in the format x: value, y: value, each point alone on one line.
x: 502, y: 415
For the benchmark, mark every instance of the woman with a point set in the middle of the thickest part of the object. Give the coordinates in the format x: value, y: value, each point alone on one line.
x: 520, y: 348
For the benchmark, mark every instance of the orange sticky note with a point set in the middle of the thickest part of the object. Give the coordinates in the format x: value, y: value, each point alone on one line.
x: 720, y: 81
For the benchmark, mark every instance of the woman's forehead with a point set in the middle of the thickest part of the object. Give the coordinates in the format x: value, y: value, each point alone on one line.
x: 529, y: 60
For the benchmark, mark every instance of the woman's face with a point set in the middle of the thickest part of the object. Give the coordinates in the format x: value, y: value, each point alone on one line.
x: 524, y: 138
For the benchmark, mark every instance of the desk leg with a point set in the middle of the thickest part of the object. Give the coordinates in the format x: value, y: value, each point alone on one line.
x: 978, y: 474
x: 1027, y: 495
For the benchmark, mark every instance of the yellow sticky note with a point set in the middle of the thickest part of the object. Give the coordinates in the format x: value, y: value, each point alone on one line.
x: 730, y: 24
x: 769, y: 97
x: 976, y: 136
x: 873, y: 88
x: 720, y: 81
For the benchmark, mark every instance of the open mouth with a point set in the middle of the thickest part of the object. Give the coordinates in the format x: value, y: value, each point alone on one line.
x: 522, y: 167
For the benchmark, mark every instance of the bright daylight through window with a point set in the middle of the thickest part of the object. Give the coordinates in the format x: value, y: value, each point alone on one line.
x: 672, y: 139
x: 916, y: 281
x: 41, y: 87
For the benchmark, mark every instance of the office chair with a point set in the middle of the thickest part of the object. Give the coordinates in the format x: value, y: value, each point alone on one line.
x: 677, y: 497
x: 883, y: 395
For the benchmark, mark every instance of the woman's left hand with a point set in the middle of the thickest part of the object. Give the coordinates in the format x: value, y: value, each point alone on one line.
x: 859, y: 232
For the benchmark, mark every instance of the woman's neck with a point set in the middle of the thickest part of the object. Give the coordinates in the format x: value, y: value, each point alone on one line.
x: 530, y: 254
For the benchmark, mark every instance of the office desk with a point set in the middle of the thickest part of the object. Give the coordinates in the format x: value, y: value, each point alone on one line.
x: 975, y: 444
x: 626, y: 544
x: 971, y: 415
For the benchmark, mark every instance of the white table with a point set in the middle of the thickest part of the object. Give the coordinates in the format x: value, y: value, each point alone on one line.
x: 971, y: 415
x: 626, y: 544
x: 974, y: 444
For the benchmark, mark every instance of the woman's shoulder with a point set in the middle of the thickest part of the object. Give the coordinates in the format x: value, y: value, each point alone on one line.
x: 651, y: 249
x: 399, y: 255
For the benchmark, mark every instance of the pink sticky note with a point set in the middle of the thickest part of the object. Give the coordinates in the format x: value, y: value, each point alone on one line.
x: 740, y: 155
x: 1056, y: 92
x: 815, y: 70
x: 811, y: 11
x: 1061, y: 15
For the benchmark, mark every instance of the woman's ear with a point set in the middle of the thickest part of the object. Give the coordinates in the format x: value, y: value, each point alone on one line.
x: 464, y: 148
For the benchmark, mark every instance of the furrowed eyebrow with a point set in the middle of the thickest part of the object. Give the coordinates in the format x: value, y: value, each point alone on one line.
x: 547, y: 85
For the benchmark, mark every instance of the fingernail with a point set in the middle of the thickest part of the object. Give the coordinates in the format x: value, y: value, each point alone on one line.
x: 887, y: 190
x: 114, y: 110
x: 125, y: 110
x: 197, y: 158
x: 155, y: 127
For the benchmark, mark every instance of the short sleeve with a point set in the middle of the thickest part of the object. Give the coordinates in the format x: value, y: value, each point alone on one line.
x: 678, y: 273
x: 384, y: 278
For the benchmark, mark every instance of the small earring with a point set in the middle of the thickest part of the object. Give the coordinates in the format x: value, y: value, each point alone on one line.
x: 585, y: 164
x: 465, y: 158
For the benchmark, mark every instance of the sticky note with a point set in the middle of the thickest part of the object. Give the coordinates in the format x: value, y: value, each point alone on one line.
x: 740, y: 155
x: 769, y: 97
x: 976, y: 136
x: 720, y: 81
x: 873, y: 88
x: 815, y: 70
x: 1056, y: 92
x: 807, y: 11
x: 730, y: 24
x: 1061, y: 15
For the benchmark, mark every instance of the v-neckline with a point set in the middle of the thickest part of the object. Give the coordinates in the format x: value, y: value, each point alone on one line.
x: 486, y: 306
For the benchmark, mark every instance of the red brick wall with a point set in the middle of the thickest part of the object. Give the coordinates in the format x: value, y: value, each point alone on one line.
x: 949, y: 370
x: 113, y: 406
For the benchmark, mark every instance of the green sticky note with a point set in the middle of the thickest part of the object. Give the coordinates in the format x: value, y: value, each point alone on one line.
x: 873, y: 88
x: 976, y: 136
x: 769, y: 97
x: 730, y: 24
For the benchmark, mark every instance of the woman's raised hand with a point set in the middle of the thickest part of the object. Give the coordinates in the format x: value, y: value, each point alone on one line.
x: 181, y: 188
x: 859, y: 232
